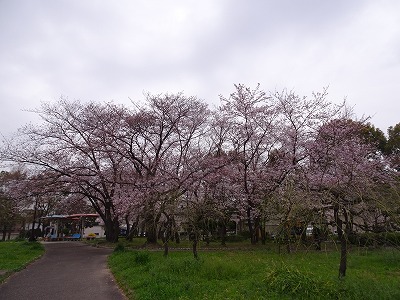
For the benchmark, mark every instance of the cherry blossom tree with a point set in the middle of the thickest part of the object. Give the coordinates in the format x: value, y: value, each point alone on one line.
x: 345, y: 169
x: 10, y: 206
x: 29, y: 197
x: 73, y: 142
x: 298, y: 122
x: 220, y: 181
x: 269, y: 136
x: 162, y: 140
x: 251, y: 117
x: 170, y: 158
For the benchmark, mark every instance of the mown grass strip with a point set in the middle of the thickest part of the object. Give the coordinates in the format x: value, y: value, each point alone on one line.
x: 14, y: 256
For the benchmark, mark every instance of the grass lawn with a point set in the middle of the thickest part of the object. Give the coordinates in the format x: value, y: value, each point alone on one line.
x: 257, y: 274
x: 14, y: 256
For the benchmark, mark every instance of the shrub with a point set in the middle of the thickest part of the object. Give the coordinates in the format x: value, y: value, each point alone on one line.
x: 288, y: 281
x: 362, y: 239
x: 391, y: 238
x: 375, y: 239
x: 119, y: 248
x: 244, y: 234
x: 236, y: 238
x: 141, y: 258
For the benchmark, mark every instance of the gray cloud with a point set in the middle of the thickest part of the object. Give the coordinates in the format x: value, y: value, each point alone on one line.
x: 99, y: 50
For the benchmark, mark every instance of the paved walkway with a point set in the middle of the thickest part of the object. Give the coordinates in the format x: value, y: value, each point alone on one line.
x: 68, y: 270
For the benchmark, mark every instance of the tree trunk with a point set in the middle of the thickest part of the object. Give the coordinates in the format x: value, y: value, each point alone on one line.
x: 288, y: 239
x: 128, y: 226
x: 343, y: 243
x: 223, y: 234
x: 317, y: 238
x: 4, y: 232
x: 195, y: 242
x: 263, y: 233
x: 343, y: 256
x: 151, y: 233
x: 129, y: 237
x: 207, y: 237
x: 166, y: 235
x: 166, y: 248
x: 177, y: 237
x: 165, y: 238
x: 288, y: 247
x: 112, y: 230
x: 111, y: 223
x: 250, y: 225
x: 133, y: 230
x: 256, y: 229
x: 32, y: 237
x: 151, y: 221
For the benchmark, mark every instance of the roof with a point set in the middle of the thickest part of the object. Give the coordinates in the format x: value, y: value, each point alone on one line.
x: 73, y: 216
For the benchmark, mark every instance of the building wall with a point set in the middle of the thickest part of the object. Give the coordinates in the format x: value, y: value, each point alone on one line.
x: 97, y: 230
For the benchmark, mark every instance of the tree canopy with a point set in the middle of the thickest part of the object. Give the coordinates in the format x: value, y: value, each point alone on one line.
x: 170, y: 162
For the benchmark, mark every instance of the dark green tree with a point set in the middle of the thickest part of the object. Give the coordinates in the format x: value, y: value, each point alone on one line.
x: 374, y: 136
x: 393, y: 146
x: 9, y: 212
x: 393, y: 142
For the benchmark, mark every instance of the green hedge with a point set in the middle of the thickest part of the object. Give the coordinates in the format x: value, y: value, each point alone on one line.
x: 375, y: 239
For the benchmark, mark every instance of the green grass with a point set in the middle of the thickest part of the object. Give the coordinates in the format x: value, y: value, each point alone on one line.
x: 256, y: 274
x: 14, y: 256
x: 139, y: 243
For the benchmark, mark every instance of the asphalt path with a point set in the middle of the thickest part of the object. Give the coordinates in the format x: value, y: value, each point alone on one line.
x: 67, y: 270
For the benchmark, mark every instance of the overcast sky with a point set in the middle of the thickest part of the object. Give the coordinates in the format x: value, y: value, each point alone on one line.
x: 116, y: 50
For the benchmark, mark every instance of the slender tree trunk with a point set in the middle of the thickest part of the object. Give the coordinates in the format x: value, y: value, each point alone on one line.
x: 22, y: 232
x: 223, y: 234
x: 250, y: 225
x: 165, y: 238
x: 207, y: 238
x: 128, y: 226
x: 39, y: 224
x: 166, y: 235
x: 32, y: 237
x: 166, y: 249
x: 343, y: 243
x: 177, y: 237
x: 4, y: 232
x: 133, y: 230
x: 256, y: 229
x: 129, y: 237
x: 343, y: 257
x: 263, y: 233
x: 195, y: 243
x: 174, y: 231
x: 317, y: 238
x: 288, y: 238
